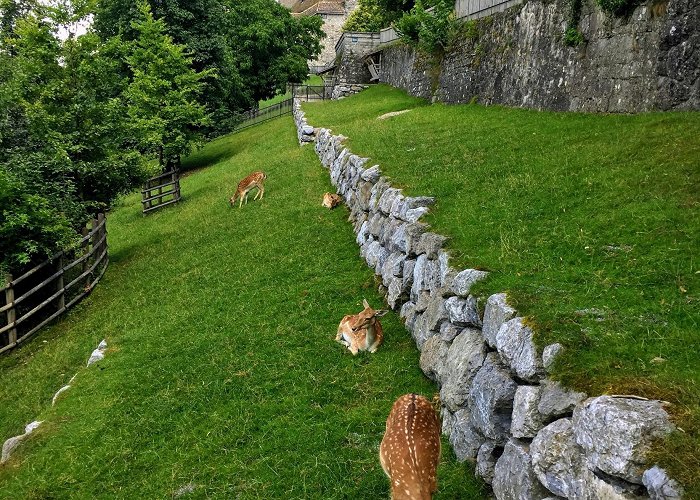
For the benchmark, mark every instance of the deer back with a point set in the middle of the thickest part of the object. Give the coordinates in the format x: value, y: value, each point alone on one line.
x: 410, y: 450
x: 252, y: 180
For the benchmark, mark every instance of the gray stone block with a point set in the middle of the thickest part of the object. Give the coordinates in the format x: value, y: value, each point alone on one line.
x: 527, y: 421
x: 514, y: 477
x: 490, y: 399
x: 517, y: 349
x: 465, y: 357
x: 496, y: 313
x: 463, y: 312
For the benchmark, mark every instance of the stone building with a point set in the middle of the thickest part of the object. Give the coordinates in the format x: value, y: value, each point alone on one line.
x: 334, y: 14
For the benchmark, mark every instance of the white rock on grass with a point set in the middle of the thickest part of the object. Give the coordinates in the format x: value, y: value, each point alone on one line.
x: 58, y: 393
x: 98, y: 354
x: 660, y: 486
x: 11, y: 444
x: 617, y: 433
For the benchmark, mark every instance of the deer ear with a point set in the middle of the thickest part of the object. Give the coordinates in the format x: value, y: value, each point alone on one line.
x: 364, y: 303
x: 381, y: 313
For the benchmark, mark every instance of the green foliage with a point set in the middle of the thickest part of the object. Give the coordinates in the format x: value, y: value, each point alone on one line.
x: 63, y: 133
x: 255, y: 47
x: 433, y: 32
x: 369, y: 16
x: 222, y: 375
x: 162, y: 96
x: 573, y: 37
x: 616, y: 7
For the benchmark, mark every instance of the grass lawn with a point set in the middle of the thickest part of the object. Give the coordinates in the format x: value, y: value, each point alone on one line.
x: 222, y: 373
x: 591, y: 223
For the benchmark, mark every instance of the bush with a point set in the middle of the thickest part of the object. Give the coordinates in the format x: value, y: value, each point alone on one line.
x: 367, y: 17
x: 617, y: 7
x: 573, y: 37
x: 433, y: 31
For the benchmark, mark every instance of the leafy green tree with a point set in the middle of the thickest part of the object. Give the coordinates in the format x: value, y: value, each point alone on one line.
x: 255, y: 46
x: 369, y: 16
x: 162, y: 97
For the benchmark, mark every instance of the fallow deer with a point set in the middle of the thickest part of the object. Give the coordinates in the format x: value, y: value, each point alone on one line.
x: 362, y: 331
x: 254, y: 180
x: 331, y: 200
x: 410, y: 450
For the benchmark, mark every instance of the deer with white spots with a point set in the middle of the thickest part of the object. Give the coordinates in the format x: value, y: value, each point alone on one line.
x: 361, y: 331
x: 254, y: 180
x: 410, y: 450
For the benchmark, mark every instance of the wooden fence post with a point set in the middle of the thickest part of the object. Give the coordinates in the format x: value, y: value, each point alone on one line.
x: 59, y: 284
x: 11, y: 313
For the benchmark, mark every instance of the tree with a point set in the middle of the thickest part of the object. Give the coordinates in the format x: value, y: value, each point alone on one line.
x: 255, y: 46
x: 162, y: 97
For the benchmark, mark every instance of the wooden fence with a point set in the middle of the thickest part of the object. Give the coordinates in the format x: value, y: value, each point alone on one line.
x: 160, y: 191
x: 51, y: 288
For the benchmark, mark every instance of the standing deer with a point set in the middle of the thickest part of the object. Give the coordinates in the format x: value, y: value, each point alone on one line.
x: 362, y: 331
x: 331, y: 200
x: 254, y: 180
x: 410, y: 449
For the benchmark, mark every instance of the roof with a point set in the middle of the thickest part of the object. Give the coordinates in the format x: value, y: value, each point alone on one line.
x: 311, y: 7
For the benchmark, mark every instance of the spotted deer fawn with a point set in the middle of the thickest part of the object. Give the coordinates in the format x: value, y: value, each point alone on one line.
x: 331, y: 200
x: 410, y: 449
x: 254, y: 180
x: 362, y: 331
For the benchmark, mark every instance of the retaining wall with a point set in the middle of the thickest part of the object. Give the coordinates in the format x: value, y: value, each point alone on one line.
x: 648, y: 60
x: 529, y: 437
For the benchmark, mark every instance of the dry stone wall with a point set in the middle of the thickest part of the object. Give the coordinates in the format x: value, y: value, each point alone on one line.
x: 649, y: 60
x: 530, y: 437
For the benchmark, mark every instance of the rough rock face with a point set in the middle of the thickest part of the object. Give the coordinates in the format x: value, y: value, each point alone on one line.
x: 556, y: 401
x: 496, y: 313
x: 486, y: 459
x: 465, y: 440
x: 464, y: 358
x: 432, y: 358
x: 616, y: 433
x: 557, y: 460
x: 643, y: 61
x: 463, y: 312
x: 526, y: 420
x: 11, y: 444
x: 490, y: 399
x: 660, y: 486
x: 516, y: 347
x: 514, y: 477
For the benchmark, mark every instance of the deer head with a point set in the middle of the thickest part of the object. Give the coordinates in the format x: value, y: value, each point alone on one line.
x: 366, y: 318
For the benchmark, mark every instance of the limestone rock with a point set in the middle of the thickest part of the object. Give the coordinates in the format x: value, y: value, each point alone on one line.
x: 371, y: 174
x: 616, y: 433
x: 557, y: 460
x: 430, y: 244
x: 396, y: 293
x: 432, y: 358
x: 514, y: 477
x: 557, y: 401
x: 10, y: 445
x: 448, y: 420
x: 490, y: 399
x: 465, y: 440
x: 526, y: 420
x: 463, y: 281
x: 463, y: 312
x: 448, y: 331
x: 486, y: 459
x: 464, y: 358
x: 372, y: 253
x: 516, y: 347
x: 496, y: 313
x: 660, y: 486
x: 58, y: 393
x: 550, y: 354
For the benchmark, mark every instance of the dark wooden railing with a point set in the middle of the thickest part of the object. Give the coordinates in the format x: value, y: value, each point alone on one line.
x: 45, y: 292
x: 160, y: 191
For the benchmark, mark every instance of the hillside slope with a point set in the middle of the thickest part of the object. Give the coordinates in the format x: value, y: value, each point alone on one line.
x: 222, y: 376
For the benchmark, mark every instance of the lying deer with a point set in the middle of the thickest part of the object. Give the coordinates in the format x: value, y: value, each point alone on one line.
x: 410, y: 449
x: 331, y: 200
x: 254, y: 180
x: 362, y: 331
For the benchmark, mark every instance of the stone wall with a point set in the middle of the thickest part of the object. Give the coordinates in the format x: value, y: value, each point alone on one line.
x: 530, y: 437
x: 333, y: 28
x: 351, y: 51
x: 649, y: 60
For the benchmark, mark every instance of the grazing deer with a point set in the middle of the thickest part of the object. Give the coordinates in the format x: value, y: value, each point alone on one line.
x: 254, y: 180
x: 362, y: 331
x: 410, y: 449
x: 331, y: 200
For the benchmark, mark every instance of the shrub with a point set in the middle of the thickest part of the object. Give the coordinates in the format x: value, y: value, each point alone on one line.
x: 433, y: 31
x: 573, y: 37
x: 617, y: 7
x: 367, y: 17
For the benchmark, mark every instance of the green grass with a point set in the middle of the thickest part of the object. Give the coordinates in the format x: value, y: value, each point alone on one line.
x: 312, y: 80
x: 591, y: 223
x: 222, y: 370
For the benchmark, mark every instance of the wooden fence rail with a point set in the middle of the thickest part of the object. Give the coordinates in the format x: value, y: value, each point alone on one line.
x: 48, y: 290
x: 170, y: 181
